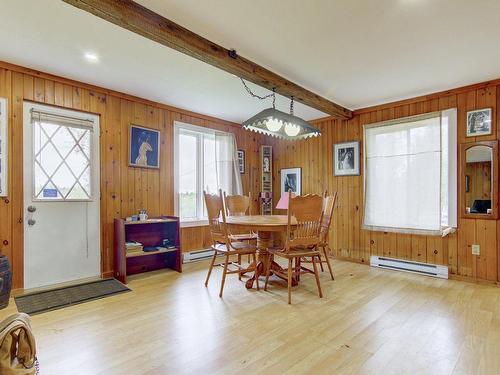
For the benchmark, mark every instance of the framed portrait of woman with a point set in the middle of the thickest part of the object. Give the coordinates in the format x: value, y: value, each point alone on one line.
x: 144, y: 147
x: 346, y: 159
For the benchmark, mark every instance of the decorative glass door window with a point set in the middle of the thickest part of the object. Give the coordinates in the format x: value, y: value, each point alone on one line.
x: 61, y: 161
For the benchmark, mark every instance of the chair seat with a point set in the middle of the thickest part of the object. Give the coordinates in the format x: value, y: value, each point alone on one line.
x: 294, y: 252
x: 243, y: 237
x: 237, y: 248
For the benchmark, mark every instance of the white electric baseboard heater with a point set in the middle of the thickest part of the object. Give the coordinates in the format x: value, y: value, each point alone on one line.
x: 426, y: 269
x: 194, y: 256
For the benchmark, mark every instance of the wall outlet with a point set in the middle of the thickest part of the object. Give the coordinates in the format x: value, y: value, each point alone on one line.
x: 476, y: 249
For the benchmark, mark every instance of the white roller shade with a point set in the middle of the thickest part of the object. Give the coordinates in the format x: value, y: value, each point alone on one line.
x: 406, y: 175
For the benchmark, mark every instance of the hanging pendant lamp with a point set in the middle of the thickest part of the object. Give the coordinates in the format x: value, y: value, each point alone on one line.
x: 279, y: 124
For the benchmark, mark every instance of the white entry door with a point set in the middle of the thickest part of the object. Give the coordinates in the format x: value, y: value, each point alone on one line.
x: 61, y: 195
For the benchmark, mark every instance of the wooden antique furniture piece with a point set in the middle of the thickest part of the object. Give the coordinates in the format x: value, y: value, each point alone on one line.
x: 239, y: 205
x: 301, y: 240
x: 266, y: 167
x: 149, y: 232
x: 222, y: 243
x: 328, y: 207
x: 265, y: 226
x: 478, y: 187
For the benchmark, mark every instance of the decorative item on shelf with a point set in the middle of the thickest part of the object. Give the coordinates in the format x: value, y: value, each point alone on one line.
x: 479, y: 122
x: 241, y: 161
x: 3, y: 147
x: 279, y: 124
x: 266, y: 199
x: 143, y: 216
x: 144, y: 147
x: 283, y: 202
x: 291, y: 180
x: 346, y: 159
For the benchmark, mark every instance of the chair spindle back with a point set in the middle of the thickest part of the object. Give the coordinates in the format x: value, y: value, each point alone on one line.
x: 308, y: 211
x: 238, y: 205
x: 328, y: 207
x: 216, y: 217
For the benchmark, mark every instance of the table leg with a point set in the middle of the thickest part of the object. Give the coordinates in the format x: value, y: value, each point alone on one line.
x: 264, y: 241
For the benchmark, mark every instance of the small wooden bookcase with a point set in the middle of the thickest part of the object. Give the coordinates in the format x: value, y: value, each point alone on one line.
x: 150, y: 232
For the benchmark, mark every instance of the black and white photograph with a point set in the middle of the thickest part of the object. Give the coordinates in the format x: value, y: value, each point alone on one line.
x: 479, y: 122
x: 3, y: 147
x: 291, y: 180
x: 346, y: 159
x: 241, y: 161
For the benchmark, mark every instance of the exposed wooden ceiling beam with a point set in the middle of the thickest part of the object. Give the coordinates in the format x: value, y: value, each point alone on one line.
x: 145, y: 22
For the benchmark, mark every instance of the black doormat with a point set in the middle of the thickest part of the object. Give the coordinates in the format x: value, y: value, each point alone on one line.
x: 40, y: 302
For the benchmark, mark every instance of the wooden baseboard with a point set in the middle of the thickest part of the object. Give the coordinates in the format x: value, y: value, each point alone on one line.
x: 108, y: 274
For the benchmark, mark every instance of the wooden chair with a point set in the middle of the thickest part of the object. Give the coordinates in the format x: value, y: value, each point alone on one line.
x: 222, y: 243
x: 301, y: 240
x: 328, y: 207
x: 239, y: 205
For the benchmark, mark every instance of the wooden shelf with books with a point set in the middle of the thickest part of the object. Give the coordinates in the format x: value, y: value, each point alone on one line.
x: 153, y: 245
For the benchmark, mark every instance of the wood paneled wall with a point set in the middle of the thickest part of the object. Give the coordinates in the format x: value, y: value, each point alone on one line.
x: 124, y: 190
x: 347, y: 239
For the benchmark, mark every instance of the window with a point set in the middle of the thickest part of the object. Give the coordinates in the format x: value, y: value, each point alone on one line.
x: 205, y: 160
x: 411, y: 175
x: 61, y: 157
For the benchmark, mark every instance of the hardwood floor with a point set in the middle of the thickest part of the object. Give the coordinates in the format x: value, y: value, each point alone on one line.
x: 370, y: 321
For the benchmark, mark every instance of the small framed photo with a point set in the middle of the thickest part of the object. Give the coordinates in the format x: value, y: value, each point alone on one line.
x: 479, y: 122
x: 3, y: 147
x: 144, y: 147
x: 291, y: 179
x: 346, y: 159
x: 241, y: 161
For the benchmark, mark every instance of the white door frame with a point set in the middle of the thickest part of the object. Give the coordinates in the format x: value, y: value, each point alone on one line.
x: 95, y: 173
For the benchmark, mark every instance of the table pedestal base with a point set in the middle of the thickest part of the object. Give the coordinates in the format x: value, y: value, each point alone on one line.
x: 264, y: 241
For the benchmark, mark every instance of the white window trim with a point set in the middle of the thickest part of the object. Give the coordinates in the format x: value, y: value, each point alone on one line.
x: 188, y: 223
x: 452, y: 173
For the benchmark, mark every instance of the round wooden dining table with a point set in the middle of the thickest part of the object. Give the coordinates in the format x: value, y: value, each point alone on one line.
x: 265, y: 226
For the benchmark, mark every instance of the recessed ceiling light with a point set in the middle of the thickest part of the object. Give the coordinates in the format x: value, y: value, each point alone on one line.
x: 91, y: 57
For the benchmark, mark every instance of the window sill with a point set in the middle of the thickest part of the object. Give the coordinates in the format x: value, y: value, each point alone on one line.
x: 193, y: 223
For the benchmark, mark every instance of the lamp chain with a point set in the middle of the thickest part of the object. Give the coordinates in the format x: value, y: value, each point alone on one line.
x: 273, y: 94
x: 291, y: 106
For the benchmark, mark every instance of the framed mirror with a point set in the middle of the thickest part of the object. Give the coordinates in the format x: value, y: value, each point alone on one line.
x: 479, y: 180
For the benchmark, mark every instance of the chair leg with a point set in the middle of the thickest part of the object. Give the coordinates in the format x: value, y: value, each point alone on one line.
x: 256, y: 271
x: 316, y: 274
x: 210, y: 268
x: 289, y: 280
x: 321, y: 263
x: 328, y: 263
x: 268, y: 270
x: 224, y: 275
x: 239, y: 264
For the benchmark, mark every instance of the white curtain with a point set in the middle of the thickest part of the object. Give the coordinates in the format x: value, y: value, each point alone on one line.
x: 226, y: 161
x: 407, y: 178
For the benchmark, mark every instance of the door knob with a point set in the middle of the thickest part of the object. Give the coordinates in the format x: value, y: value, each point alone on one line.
x: 31, y: 208
x: 31, y: 222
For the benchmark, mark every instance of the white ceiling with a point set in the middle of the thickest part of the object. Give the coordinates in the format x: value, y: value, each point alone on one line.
x: 356, y: 53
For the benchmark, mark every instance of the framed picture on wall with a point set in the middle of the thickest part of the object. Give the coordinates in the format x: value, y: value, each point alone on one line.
x: 241, y: 161
x: 144, y: 147
x: 479, y: 122
x: 3, y: 147
x: 346, y: 159
x: 291, y: 179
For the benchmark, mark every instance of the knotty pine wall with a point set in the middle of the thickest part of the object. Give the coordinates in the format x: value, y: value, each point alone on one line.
x: 124, y: 190
x: 347, y: 239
